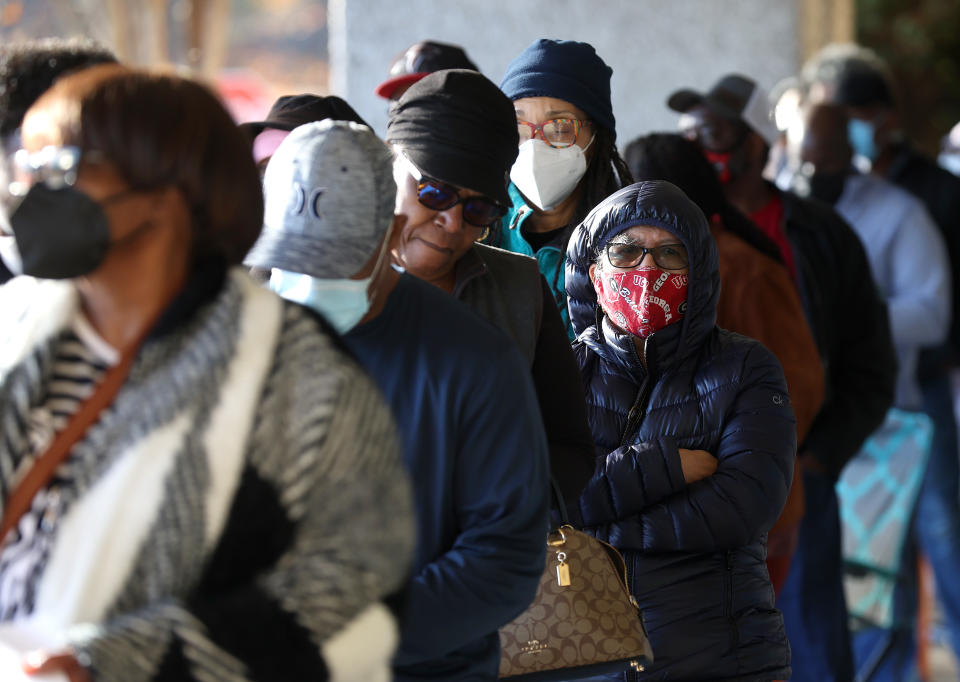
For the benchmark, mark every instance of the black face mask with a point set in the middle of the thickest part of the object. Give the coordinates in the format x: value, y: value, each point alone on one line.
x: 827, y: 187
x: 61, y: 233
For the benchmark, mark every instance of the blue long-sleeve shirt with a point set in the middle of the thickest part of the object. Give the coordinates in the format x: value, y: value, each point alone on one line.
x: 474, y: 442
x: 909, y: 262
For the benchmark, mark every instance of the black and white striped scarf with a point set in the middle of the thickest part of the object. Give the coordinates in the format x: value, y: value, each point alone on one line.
x: 244, y: 449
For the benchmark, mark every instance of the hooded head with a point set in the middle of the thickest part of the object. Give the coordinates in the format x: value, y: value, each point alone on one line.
x: 658, y: 204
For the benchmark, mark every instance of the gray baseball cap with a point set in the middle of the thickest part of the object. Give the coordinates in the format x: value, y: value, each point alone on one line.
x: 734, y: 97
x: 329, y: 196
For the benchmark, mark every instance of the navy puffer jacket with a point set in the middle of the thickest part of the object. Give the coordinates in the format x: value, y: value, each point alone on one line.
x: 695, y: 553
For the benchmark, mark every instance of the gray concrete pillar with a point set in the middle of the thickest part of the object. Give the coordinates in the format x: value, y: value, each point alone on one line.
x: 654, y: 46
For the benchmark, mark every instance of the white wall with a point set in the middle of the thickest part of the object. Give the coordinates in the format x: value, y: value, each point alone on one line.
x: 653, y: 46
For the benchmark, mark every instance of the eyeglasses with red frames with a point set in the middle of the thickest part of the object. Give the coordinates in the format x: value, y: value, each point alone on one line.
x: 556, y: 132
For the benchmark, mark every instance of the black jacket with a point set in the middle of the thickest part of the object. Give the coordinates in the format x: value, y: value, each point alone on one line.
x: 849, y: 323
x: 695, y: 553
x: 508, y: 291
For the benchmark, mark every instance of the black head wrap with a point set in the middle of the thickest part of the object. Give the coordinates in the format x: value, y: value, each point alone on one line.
x: 456, y: 126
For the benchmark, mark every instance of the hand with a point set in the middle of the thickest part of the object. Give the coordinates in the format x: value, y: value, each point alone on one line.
x: 42, y: 663
x: 696, y: 464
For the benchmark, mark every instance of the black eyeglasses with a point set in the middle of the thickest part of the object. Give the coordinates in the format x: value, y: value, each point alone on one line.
x: 629, y: 255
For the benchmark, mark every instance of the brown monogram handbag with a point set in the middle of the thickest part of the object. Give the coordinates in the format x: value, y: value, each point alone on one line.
x: 583, y: 621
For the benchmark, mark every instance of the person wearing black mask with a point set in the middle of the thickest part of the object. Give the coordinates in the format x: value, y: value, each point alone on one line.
x: 857, y: 79
x: 825, y: 156
x: 907, y: 254
x: 732, y: 123
x: 180, y: 495
x: 910, y: 263
x: 28, y: 69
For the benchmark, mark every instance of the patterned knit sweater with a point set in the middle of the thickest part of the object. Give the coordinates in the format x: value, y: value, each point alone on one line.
x: 239, y: 511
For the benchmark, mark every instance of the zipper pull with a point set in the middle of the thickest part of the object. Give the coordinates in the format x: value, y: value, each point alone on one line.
x: 516, y: 218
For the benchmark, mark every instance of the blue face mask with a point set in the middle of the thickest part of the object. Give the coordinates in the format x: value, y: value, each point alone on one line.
x: 950, y: 161
x: 861, y: 135
x: 342, y: 302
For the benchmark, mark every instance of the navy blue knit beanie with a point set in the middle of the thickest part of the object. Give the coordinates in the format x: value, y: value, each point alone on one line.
x: 564, y: 69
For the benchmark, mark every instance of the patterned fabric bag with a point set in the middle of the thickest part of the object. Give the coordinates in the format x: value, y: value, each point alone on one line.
x: 583, y: 621
x: 878, y: 491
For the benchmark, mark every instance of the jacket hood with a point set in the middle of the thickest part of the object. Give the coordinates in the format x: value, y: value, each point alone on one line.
x: 660, y: 204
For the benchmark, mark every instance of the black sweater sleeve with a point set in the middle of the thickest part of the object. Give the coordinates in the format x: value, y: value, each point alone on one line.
x: 853, y: 333
x: 562, y: 404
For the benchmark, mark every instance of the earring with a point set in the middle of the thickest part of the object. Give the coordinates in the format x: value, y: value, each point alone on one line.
x: 486, y: 233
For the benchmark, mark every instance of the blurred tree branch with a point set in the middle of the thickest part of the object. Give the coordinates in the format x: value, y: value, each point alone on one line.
x: 920, y: 39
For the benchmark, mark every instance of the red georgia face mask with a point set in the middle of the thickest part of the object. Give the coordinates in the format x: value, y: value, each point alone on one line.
x: 641, y: 302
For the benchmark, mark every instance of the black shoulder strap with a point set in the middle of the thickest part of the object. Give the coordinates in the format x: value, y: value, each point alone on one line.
x: 558, y: 498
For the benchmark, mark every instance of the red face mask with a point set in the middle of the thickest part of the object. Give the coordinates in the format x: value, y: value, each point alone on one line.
x: 721, y: 163
x: 641, y: 302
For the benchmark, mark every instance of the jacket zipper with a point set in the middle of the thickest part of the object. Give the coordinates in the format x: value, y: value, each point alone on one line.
x: 639, y: 405
x: 634, y: 418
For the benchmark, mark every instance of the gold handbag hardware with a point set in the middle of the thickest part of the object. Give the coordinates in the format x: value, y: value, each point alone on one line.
x: 583, y: 621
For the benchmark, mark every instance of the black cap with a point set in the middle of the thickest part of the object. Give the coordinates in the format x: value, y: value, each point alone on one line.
x: 862, y: 86
x: 292, y: 111
x: 456, y: 126
x: 735, y: 97
x: 420, y: 59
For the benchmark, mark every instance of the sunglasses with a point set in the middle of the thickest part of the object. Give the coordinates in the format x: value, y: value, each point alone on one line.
x: 441, y: 196
x: 55, y: 167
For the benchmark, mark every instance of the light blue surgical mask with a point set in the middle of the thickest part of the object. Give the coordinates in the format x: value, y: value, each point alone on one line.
x: 342, y: 302
x: 861, y: 135
x: 950, y: 161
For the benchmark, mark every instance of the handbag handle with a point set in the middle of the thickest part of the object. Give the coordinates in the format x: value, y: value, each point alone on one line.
x: 43, y: 468
x: 558, y: 498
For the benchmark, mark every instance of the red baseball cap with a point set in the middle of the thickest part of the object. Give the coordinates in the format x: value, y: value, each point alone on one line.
x: 421, y: 59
